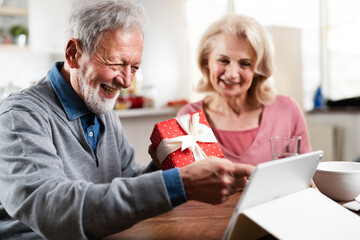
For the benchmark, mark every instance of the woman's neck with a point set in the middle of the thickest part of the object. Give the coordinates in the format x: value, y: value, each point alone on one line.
x: 229, y: 105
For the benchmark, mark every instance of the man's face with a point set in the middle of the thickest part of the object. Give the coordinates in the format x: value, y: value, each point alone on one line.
x: 113, y: 66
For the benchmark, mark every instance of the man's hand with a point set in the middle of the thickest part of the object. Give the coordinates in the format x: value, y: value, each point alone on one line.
x: 212, y: 180
x: 152, y: 152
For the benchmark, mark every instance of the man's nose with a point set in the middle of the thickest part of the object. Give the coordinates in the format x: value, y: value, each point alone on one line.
x: 125, y: 77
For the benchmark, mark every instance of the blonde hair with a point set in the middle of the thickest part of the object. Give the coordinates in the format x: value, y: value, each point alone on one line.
x: 241, y: 26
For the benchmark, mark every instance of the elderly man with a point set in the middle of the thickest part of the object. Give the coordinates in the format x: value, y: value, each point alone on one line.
x: 66, y: 169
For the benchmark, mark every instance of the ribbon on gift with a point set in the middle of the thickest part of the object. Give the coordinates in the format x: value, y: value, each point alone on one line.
x: 197, y: 132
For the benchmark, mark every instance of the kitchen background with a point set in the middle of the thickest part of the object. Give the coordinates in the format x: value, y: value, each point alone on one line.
x: 316, y: 45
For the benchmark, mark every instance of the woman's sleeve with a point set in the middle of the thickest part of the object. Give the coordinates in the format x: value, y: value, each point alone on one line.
x: 300, y: 127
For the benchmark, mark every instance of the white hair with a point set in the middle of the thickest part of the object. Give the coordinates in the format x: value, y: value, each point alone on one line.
x: 92, y: 18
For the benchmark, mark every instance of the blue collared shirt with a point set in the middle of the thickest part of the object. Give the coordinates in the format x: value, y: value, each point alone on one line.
x: 76, y: 108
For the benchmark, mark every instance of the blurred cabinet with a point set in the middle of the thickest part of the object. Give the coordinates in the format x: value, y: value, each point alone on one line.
x: 11, y: 13
x: 46, y: 21
x: 336, y: 132
x: 327, y: 137
x: 48, y: 27
x: 138, y: 125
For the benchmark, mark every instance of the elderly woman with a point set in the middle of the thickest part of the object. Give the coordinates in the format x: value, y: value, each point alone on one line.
x: 244, y: 111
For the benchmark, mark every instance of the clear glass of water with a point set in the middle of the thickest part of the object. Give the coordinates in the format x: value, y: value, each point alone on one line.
x: 282, y: 147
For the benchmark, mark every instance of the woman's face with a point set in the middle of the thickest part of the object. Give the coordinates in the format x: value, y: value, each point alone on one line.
x: 231, y: 65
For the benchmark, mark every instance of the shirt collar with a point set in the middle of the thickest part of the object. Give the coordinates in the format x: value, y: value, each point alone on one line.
x: 73, y: 105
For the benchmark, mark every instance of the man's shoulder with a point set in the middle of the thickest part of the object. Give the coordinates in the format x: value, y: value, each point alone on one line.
x: 34, y: 98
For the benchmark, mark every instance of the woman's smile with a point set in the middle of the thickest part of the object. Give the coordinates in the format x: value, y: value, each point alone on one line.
x: 229, y: 83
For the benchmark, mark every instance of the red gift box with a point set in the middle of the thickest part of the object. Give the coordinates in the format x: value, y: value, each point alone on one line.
x: 183, y: 140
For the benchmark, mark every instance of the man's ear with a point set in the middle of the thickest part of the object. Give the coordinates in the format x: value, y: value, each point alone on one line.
x: 73, y: 53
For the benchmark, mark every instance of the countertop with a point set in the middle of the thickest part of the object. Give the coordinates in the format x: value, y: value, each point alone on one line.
x: 146, y: 112
x: 341, y: 110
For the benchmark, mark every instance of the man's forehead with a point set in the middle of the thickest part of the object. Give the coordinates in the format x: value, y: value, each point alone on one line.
x: 117, y: 44
x: 128, y: 38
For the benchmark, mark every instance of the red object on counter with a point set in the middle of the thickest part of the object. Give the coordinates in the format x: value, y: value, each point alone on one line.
x: 179, y: 102
x: 133, y: 101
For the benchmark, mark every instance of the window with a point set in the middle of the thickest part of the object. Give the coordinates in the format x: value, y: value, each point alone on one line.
x: 341, y: 41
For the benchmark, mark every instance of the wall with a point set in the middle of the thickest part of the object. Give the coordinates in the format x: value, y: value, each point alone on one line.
x: 288, y: 60
x: 20, y: 67
x: 48, y: 27
x: 165, y: 50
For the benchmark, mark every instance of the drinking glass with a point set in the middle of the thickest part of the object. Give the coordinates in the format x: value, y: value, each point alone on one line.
x: 282, y: 147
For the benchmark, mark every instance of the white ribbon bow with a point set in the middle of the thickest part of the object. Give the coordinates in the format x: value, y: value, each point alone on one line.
x: 196, y: 131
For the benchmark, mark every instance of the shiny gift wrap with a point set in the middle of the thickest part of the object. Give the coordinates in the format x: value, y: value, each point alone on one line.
x: 183, y: 140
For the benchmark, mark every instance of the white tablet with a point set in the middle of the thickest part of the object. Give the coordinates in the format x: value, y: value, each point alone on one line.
x: 274, y: 179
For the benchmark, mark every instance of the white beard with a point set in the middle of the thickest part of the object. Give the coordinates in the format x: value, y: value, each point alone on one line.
x: 92, y: 99
x: 94, y: 102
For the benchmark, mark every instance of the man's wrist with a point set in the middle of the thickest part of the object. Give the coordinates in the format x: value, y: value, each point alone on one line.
x: 153, y: 166
x: 174, y: 186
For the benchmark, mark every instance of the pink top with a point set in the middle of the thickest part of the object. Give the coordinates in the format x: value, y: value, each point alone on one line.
x: 281, y: 118
x: 236, y: 142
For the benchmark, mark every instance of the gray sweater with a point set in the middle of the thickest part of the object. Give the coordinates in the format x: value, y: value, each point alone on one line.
x: 53, y: 186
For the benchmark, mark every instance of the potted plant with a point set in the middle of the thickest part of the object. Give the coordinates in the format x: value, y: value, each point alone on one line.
x: 20, y: 34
